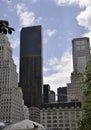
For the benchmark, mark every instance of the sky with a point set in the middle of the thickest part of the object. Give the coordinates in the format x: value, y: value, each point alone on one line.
x: 61, y: 21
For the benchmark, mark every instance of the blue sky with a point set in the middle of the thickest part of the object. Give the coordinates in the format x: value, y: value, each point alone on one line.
x: 61, y: 20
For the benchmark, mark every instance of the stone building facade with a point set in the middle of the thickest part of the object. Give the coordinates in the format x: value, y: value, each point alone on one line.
x: 60, y: 116
x: 11, y: 109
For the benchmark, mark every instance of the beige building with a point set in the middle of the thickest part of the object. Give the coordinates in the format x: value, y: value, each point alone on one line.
x: 25, y: 111
x: 60, y: 116
x: 34, y: 114
x: 74, y: 89
x: 81, y: 53
x: 11, y: 107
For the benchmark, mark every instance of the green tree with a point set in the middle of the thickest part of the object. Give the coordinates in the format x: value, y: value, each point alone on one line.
x: 4, y: 27
x: 85, y: 121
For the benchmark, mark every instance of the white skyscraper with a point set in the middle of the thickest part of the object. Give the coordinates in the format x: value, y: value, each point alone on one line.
x: 11, y: 108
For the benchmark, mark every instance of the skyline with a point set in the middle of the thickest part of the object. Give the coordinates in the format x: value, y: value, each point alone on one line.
x: 61, y: 22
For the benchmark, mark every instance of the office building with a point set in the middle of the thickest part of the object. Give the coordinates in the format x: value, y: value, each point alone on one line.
x: 52, y: 96
x: 11, y: 108
x: 30, y: 78
x: 62, y: 94
x: 81, y: 53
x: 60, y: 116
x: 46, y: 93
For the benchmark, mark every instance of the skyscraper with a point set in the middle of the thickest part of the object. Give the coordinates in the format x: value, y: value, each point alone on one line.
x: 46, y: 93
x: 11, y: 107
x: 52, y: 97
x: 31, y: 65
x: 62, y: 94
x: 81, y: 53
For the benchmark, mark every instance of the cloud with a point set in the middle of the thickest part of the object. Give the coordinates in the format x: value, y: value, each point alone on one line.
x: 84, y: 3
x: 63, y: 70
x: 88, y: 34
x: 14, y: 42
x: 7, y: 1
x: 47, y: 34
x: 45, y: 69
x: 53, y: 61
x: 26, y: 17
x: 65, y: 2
x: 50, y: 32
x: 16, y: 61
x: 84, y: 18
x: 81, y: 3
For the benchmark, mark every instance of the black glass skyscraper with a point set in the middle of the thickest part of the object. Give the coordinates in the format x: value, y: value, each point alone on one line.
x: 31, y: 65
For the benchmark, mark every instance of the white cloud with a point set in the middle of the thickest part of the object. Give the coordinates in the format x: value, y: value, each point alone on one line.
x: 16, y: 61
x: 26, y: 17
x: 65, y: 2
x: 7, y: 1
x: 50, y: 32
x: 45, y: 69
x: 63, y: 70
x: 88, y: 35
x: 14, y: 42
x: 53, y: 61
x: 81, y: 3
x: 84, y: 18
x: 47, y: 34
x: 84, y: 3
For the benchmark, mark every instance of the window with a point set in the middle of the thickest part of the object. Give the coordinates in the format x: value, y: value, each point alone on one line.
x: 80, y: 45
x: 54, y: 121
x: 81, y: 63
x: 54, y: 117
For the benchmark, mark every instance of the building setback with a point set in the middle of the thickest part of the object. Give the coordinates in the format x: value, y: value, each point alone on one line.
x: 11, y: 109
x: 30, y: 79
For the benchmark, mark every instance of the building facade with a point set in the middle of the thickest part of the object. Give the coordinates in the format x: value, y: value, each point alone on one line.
x: 25, y: 111
x: 60, y: 116
x: 46, y: 93
x: 11, y: 108
x: 52, y: 97
x: 62, y: 94
x: 34, y: 114
x: 81, y: 53
x: 31, y: 65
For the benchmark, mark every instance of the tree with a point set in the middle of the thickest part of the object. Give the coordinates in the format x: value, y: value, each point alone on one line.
x: 85, y: 121
x: 4, y: 27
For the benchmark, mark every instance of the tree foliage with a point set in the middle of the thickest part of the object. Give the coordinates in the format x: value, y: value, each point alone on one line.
x: 4, y: 27
x: 85, y: 121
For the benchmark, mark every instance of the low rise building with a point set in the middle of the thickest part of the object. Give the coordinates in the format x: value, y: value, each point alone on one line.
x: 34, y: 114
x: 60, y: 116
